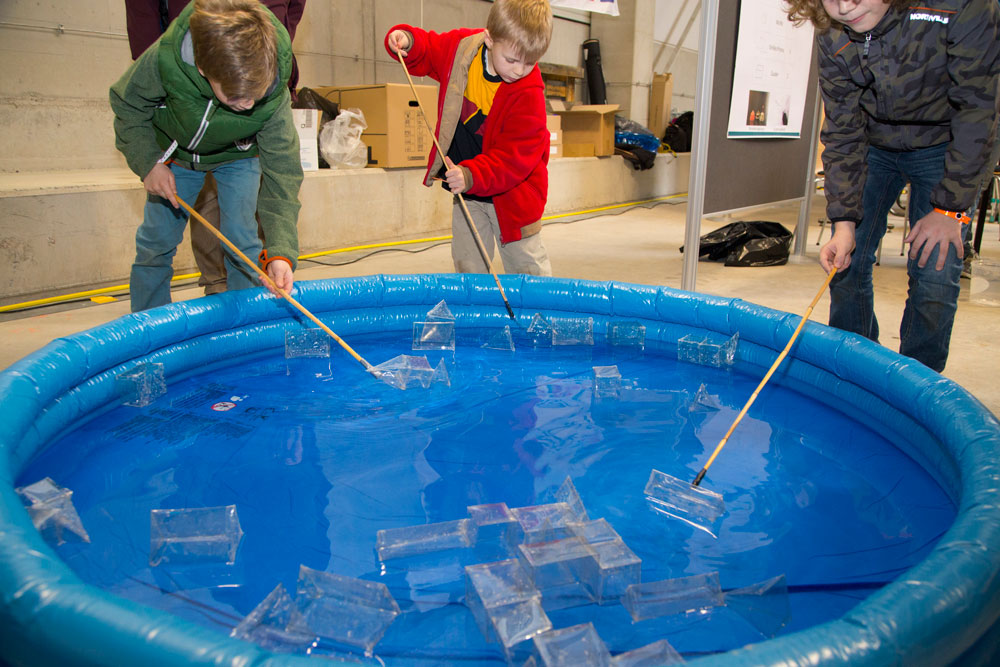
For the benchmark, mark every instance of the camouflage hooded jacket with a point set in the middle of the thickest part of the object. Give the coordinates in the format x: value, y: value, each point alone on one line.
x: 923, y: 76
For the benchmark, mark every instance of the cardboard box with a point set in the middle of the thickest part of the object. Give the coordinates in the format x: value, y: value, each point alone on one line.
x: 587, y: 129
x: 397, y: 135
x: 307, y: 124
x: 660, y: 93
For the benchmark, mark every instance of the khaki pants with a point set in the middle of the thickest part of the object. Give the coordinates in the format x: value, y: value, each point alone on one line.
x: 207, y: 248
x: 527, y: 256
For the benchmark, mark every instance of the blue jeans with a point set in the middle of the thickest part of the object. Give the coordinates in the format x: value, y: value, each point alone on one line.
x: 932, y: 298
x: 162, y: 229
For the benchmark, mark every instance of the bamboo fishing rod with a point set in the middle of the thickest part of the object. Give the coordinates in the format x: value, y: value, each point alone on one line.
x: 461, y: 200
x: 267, y: 279
x: 770, y: 372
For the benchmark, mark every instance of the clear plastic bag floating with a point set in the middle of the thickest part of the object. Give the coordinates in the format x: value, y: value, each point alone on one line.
x: 500, y: 340
x: 567, y: 493
x: 708, y: 350
x: 765, y: 605
x: 505, y: 603
x: 560, y: 570
x: 695, y: 506
x: 433, y: 335
x: 348, y: 611
x: 406, y: 372
x: 307, y: 343
x: 141, y: 385
x: 657, y: 654
x: 51, y: 509
x: 575, y: 646
x: 267, y: 625
x: 199, y: 535
x: 572, y: 331
x: 627, y: 334
x: 540, y: 331
x: 697, y: 593
x: 393, y: 543
x: 607, y: 382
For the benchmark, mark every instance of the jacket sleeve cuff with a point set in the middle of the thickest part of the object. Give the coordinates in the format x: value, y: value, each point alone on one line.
x: 468, y: 177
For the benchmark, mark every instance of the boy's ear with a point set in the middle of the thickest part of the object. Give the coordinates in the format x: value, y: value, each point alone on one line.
x: 489, y: 39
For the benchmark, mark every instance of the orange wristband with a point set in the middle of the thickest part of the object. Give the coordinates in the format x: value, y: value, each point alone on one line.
x: 959, y: 215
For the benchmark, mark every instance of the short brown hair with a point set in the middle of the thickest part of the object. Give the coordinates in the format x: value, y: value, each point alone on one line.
x: 235, y: 45
x: 526, y: 25
x: 813, y: 11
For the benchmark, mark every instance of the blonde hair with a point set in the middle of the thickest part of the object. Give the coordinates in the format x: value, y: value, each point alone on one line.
x: 525, y: 25
x: 235, y: 45
x: 813, y: 11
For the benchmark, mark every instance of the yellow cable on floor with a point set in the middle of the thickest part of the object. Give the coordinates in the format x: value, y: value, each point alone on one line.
x: 76, y: 296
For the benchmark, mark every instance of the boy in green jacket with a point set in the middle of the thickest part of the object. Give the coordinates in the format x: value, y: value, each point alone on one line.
x: 211, y: 96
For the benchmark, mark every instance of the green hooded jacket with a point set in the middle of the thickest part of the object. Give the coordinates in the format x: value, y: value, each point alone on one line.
x: 163, y: 99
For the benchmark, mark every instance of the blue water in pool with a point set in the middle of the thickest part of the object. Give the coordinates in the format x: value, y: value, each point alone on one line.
x: 318, y: 456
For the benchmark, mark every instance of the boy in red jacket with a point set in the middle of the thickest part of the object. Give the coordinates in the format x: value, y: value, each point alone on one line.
x: 491, y: 124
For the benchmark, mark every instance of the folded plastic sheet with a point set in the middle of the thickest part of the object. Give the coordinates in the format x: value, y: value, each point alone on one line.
x: 930, y: 615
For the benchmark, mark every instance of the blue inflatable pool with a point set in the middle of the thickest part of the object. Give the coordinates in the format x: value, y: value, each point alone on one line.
x: 942, y: 610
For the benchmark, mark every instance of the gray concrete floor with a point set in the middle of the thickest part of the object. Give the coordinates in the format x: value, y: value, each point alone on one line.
x: 639, y: 245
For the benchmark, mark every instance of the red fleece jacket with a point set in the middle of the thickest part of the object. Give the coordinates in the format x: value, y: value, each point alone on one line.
x: 513, y: 167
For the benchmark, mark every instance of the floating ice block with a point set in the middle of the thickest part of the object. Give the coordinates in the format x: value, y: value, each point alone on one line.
x: 567, y: 493
x: 679, y: 499
x: 350, y: 611
x: 540, y: 331
x: 494, y: 524
x: 492, y: 521
x: 267, y: 624
x: 440, y: 313
x: 764, y: 605
x: 707, y: 351
x: 595, y: 532
x: 653, y: 599
x: 704, y: 401
x: 575, y: 646
x: 557, y: 569
x: 501, y: 340
x: 437, y: 335
x: 404, y: 372
x: 607, y: 381
x: 427, y: 538
x: 614, y: 568
x: 627, y: 334
x: 51, y: 509
x: 506, y: 605
x: 540, y: 523
x: 141, y: 385
x: 194, y: 535
x: 440, y: 374
x: 657, y: 654
x: 573, y: 331
x: 306, y: 343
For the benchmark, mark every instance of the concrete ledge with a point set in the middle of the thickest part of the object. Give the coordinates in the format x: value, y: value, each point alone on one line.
x: 73, y: 230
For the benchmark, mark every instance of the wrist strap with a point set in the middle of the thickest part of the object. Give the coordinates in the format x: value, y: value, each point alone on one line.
x: 957, y: 215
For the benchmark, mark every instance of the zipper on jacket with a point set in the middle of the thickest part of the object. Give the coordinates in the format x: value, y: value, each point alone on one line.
x: 200, y: 134
x: 868, y: 41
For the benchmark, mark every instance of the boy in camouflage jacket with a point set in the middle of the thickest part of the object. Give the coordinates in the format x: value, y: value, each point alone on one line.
x: 911, y: 95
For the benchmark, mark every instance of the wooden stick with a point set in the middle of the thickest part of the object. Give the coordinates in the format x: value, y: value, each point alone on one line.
x: 461, y: 199
x: 770, y: 372
x: 267, y: 279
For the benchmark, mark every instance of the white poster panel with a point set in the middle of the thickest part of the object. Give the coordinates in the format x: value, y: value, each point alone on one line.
x: 771, y: 74
x: 599, y: 6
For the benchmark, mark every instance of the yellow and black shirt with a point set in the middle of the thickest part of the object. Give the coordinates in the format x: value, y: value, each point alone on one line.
x: 479, y: 93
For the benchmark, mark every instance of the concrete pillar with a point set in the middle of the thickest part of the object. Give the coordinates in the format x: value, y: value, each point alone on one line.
x: 627, y: 52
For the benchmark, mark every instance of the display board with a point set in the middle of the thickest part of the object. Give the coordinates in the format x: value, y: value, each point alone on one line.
x: 741, y: 174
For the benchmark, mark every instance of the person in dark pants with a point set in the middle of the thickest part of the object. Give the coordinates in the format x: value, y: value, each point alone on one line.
x: 145, y: 22
x: 911, y: 94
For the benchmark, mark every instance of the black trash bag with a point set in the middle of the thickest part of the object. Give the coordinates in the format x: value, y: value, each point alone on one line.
x: 636, y: 156
x: 754, y: 243
x: 679, y: 135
